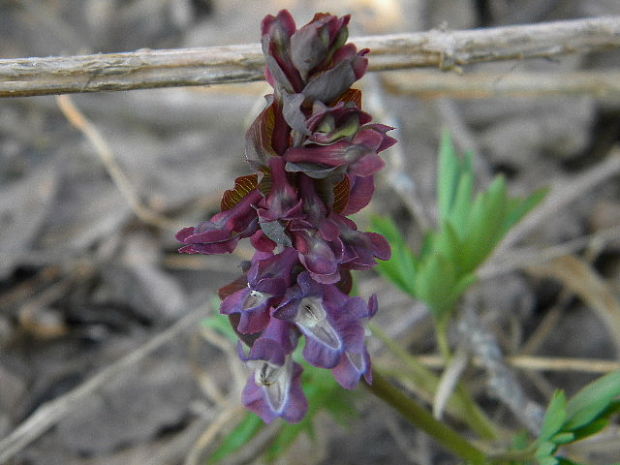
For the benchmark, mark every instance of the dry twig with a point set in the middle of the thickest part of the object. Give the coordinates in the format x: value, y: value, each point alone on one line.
x: 599, y: 84
x: 145, y: 69
x: 537, y: 363
x: 103, y: 150
x: 53, y: 411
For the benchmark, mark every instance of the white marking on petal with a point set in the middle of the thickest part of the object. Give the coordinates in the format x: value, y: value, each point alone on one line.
x: 312, y: 317
x: 275, y: 381
x: 357, y: 360
x: 254, y: 299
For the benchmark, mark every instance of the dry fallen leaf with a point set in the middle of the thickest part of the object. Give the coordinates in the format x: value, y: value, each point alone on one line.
x: 578, y: 276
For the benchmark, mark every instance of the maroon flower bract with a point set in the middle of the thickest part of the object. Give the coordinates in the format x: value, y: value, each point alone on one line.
x: 315, y: 153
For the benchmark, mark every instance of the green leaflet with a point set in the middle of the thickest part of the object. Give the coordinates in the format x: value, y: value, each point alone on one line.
x: 470, y: 226
x: 585, y: 414
x: 400, y: 269
x: 555, y: 416
x: 592, y: 401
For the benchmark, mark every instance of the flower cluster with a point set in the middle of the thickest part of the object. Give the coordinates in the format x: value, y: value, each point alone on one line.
x: 315, y: 153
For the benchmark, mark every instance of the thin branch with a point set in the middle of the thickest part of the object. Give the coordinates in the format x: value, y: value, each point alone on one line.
x: 106, y: 155
x: 53, y: 411
x: 537, y: 363
x: 598, y: 84
x: 447, y: 50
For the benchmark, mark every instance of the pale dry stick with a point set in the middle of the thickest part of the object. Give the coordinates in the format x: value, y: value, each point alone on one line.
x: 516, y: 259
x: 145, y: 69
x: 449, y: 381
x: 537, y: 363
x: 55, y: 410
x: 77, y: 119
x: 230, y: 412
x: 501, y: 380
x: 598, y: 84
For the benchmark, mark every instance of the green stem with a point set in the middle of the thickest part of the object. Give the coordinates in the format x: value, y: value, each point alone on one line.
x: 441, y: 325
x: 461, y: 405
x: 422, y: 419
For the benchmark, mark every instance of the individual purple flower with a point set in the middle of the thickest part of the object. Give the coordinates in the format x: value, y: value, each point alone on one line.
x: 274, y: 390
x: 318, y: 256
x: 222, y: 232
x: 355, y: 361
x: 306, y: 306
x: 267, y: 279
x: 360, y: 249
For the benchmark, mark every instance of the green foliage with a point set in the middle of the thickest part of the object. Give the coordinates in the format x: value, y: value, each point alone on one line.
x: 470, y: 227
x: 587, y: 413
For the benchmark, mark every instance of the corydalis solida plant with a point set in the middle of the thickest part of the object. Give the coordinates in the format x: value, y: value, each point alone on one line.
x: 315, y: 153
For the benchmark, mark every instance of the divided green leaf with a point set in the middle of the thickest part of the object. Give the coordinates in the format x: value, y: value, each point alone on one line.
x: 592, y: 401
x: 554, y: 417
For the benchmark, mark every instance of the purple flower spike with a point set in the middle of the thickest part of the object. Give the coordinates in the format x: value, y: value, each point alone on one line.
x: 274, y: 390
x: 314, y: 152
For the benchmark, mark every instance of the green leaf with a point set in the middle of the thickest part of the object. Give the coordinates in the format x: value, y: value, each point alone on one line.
x: 485, y: 222
x: 548, y: 461
x: 238, y: 437
x: 592, y: 401
x: 519, y: 207
x: 590, y: 429
x: 563, y: 438
x: 400, y: 269
x: 555, y: 416
x: 460, y: 211
x: 447, y: 175
x: 448, y: 244
x: 545, y: 449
